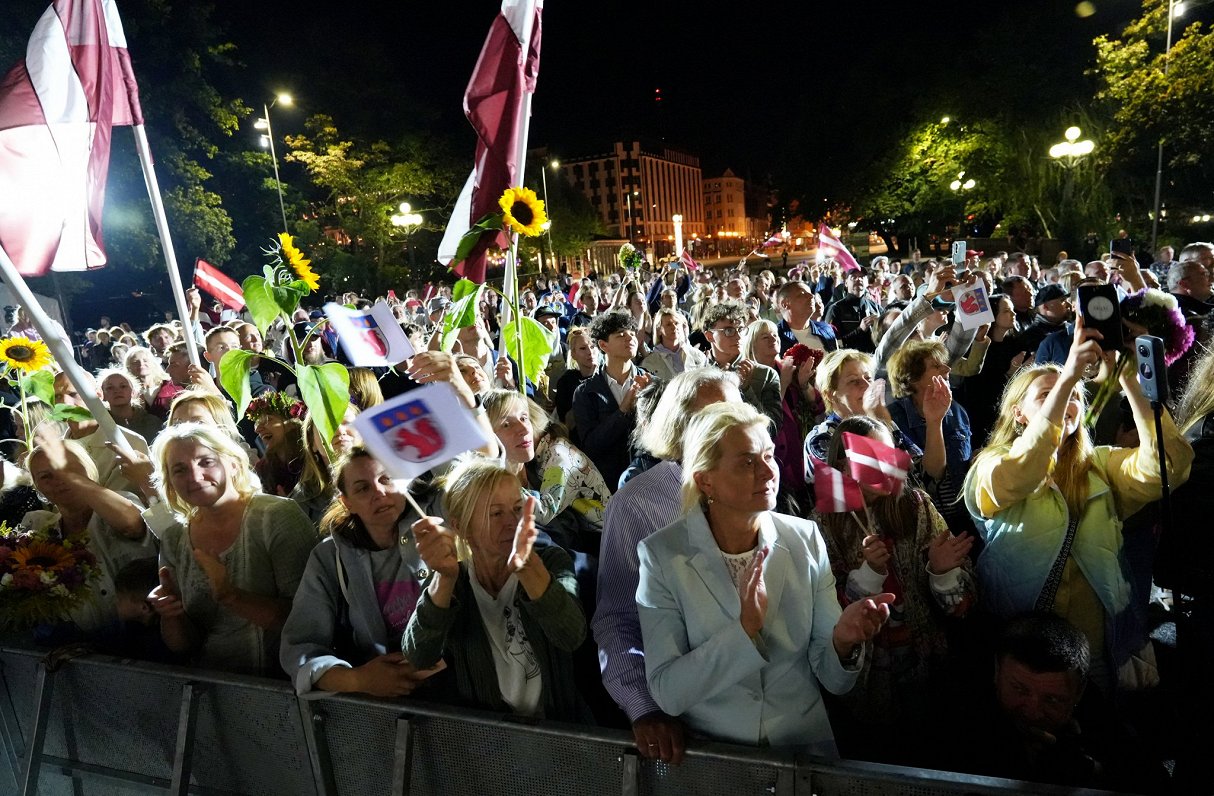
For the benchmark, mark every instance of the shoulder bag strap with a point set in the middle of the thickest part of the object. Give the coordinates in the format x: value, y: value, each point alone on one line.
x: 1045, y: 600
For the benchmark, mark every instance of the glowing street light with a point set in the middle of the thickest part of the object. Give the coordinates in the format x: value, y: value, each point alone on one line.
x: 1070, y: 150
x: 267, y: 140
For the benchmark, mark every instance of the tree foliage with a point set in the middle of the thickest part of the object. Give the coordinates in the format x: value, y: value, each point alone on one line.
x: 1147, y: 106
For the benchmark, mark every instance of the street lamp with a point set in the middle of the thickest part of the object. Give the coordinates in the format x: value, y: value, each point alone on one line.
x: 628, y: 196
x: 957, y: 186
x: 555, y: 164
x: 263, y: 123
x: 678, y: 234
x: 1069, y: 152
x: 1175, y: 10
x: 408, y: 221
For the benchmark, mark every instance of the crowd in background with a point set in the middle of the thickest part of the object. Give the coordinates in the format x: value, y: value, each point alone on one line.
x: 642, y: 545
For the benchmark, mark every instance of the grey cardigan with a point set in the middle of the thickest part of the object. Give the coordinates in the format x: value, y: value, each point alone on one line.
x: 310, y: 633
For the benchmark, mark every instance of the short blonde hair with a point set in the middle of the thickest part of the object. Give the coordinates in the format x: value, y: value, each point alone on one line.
x: 579, y: 331
x: 73, y: 449
x: 909, y: 363
x: 657, y: 322
x: 498, y: 403
x: 752, y: 331
x: 826, y: 377
x: 472, y: 478
x: 241, y: 475
x: 702, y: 446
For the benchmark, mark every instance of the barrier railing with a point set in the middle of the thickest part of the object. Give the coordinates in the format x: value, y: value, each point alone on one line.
x: 96, y: 725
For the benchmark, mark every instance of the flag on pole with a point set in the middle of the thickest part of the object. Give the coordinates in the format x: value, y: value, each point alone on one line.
x: 218, y: 284
x: 372, y: 338
x: 773, y: 240
x: 835, y: 491
x: 57, y: 107
x: 493, y: 103
x: 831, y: 248
x: 419, y: 430
x: 688, y: 262
x: 875, y: 464
x: 973, y: 305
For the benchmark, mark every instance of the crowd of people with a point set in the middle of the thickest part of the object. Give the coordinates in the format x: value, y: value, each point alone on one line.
x: 642, y: 545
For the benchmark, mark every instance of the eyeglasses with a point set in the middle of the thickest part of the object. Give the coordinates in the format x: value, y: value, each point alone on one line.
x: 728, y: 331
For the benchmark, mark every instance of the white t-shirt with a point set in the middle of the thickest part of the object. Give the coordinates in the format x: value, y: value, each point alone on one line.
x: 518, y: 670
x: 808, y: 339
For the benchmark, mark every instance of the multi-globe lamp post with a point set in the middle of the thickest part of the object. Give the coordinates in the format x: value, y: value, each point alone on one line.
x: 267, y: 140
x: 962, y: 185
x: 407, y: 220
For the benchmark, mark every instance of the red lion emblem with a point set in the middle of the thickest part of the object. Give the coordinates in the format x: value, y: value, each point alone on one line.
x: 417, y: 440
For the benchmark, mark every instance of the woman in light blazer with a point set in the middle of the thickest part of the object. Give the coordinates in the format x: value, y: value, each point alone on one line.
x: 738, y: 609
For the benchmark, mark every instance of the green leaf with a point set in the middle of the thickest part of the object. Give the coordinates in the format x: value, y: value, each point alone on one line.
x: 260, y: 301
x: 325, y: 390
x: 467, y: 242
x: 463, y: 311
x: 536, y: 347
x: 234, y: 376
x: 286, y: 297
x: 65, y: 412
x: 41, y: 384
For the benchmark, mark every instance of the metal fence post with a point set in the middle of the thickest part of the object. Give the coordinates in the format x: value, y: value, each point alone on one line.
x: 183, y: 756
x: 402, y: 758
x: 630, y: 773
x: 43, y: 691
x: 318, y: 747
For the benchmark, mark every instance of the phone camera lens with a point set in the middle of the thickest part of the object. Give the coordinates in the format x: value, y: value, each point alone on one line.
x: 1142, y: 351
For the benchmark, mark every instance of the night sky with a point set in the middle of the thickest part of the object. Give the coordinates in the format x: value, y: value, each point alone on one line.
x: 791, y: 92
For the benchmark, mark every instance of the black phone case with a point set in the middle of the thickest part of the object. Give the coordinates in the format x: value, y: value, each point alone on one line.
x: 1110, y: 327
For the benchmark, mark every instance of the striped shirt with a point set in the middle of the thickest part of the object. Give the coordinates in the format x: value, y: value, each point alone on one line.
x: 647, y: 503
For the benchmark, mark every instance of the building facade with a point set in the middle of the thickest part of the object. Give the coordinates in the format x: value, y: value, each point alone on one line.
x: 638, y: 188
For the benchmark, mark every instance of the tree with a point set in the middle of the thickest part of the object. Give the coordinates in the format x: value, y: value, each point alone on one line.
x: 1147, y: 106
x: 575, y: 223
x: 357, y: 187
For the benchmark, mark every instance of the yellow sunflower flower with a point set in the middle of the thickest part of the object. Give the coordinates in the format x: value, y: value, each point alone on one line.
x: 24, y: 354
x: 43, y: 555
x: 299, y: 264
x: 524, y: 212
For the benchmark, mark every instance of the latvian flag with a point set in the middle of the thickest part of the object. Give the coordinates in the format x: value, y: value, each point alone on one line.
x: 835, y: 491
x: 831, y: 248
x: 875, y: 464
x: 688, y: 262
x: 218, y: 284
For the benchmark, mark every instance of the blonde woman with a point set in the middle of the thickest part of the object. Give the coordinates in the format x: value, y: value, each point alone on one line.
x: 672, y: 353
x: 145, y: 368
x: 507, y: 619
x: 1049, y: 505
x: 123, y: 398
x: 582, y: 364
x: 738, y: 609
x: 231, y: 566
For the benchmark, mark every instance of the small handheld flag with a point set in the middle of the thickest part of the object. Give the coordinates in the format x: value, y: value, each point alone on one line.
x: 973, y: 306
x: 831, y: 248
x: 875, y: 464
x: 218, y: 284
x: 372, y: 338
x: 835, y: 491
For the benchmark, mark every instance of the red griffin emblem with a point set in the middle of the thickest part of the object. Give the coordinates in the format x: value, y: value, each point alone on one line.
x: 411, y: 431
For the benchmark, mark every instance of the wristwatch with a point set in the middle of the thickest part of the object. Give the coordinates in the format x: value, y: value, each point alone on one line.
x: 852, y: 659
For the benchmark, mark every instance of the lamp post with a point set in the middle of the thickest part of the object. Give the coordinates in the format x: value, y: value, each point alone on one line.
x: 1175, y: 9
x: 408, y: 221
x: 629, y: 196
x: 1068, y: 153
x: 268, y: 140
x: 959, y: 187
x: 678, y: 234
x: 555, y: 164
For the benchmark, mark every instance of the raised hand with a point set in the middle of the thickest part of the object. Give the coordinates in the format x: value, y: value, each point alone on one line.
x: 860, y: 621
x: 165, y: 599
x: 1085, y: 351
x: 876, y: 553
x: 1020, y: 360
x: 746, y: 369
x: 524, y: 536
x: 436, y: 546
x: 937, y: 399
x: 947, y: 552
x: 753, y: 594
x: 874, y: 397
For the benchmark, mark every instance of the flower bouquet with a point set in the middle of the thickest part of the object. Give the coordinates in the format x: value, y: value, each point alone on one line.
x: 630, y: 257
x: 1151, y: 312
x: 42, y: 578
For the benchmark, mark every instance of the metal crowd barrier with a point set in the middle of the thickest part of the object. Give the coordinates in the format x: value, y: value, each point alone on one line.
x: 96, y: 726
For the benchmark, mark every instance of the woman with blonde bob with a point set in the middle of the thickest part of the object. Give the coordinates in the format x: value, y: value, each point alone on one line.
x: 738, y: 609
x: 1049, y: 505
x: 230, y: 568
x: 507, y: 619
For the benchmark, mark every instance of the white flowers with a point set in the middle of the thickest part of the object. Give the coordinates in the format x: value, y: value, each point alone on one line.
x: 6, y: 581
x: 59, y: 590
x: 47, y: 577
x: 1158, y: 298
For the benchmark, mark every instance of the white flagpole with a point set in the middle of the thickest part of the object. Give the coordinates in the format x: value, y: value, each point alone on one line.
x: 166, y: 241
x: 61, y: 349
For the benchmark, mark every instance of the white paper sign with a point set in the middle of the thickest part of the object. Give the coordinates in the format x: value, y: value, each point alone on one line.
x: 372, y: 338
x: 419, y: 430
x: 973, y: 306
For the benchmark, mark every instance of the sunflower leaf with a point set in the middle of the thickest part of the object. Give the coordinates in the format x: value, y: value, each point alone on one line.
x: 463, y: 311
x: 65, y: 412
x: 40, y: 384
x: 287, y: 297
x: 536, y: 347
x: 234, y: 376
x: 260, y: 300
x: 325, y: 389
x: 467, y: 242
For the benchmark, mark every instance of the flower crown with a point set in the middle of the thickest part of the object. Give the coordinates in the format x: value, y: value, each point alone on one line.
x: 278, y: 404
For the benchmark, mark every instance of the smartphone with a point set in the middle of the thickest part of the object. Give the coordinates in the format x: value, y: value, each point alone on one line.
x: 959, y: 248
x: 1101, y: 311
x: 1152, y: 370
x: 1122, y: 246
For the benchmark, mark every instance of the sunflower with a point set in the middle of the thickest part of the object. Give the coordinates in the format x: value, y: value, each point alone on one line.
x: 43, y: 555
x: 24, y: 354
x: 299, y: 264
x: 524, y: 212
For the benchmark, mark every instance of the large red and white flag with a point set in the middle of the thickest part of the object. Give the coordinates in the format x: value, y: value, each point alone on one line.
x: 57, y: 107
x: 835, y: 491
x: 875, y: 464
x: 494, y: 103
x: 831, y: 248
x: 218, y: 284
